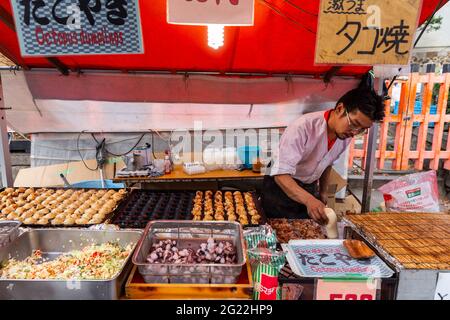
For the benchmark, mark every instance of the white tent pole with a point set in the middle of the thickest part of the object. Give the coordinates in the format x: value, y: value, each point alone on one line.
x: 5, y: 157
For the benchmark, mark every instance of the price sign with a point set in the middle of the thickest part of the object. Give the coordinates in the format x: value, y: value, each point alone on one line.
x: 327, y: 289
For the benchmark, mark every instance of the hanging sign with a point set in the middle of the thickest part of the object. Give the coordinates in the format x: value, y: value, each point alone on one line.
x: 77, y: 27
x: 328, y: 289
x: 204, y: 12
x: 366, y: 32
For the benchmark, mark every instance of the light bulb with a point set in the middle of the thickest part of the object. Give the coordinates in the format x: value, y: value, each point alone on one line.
x: 215, y: 35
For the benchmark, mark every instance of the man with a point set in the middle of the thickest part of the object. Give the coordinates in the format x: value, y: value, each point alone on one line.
x: 296, y: 187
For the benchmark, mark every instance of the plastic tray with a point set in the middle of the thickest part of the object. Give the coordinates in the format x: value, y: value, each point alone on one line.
x: 190, y: 233
x: 142, y: 206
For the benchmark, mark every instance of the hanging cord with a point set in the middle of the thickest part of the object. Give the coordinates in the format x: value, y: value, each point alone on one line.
x: 81, y: 156
x: 120, y: 155
x: 278, y: 11
x: 153, y: 146
x: 300, y: 8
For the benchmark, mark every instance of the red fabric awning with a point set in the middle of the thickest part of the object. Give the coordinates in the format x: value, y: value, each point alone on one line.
x: 274, y: 44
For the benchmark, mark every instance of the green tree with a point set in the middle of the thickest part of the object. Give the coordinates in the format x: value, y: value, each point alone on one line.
x: 434, y: 25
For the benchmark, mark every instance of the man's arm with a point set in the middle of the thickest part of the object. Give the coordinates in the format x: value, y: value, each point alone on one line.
x: 323, y: 184
x: 295, y: 192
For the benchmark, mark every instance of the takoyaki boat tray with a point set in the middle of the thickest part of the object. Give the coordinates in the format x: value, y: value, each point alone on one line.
x: 142, y: 206
x: 111, y: 213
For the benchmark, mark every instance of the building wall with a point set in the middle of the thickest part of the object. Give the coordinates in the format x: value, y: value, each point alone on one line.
x: 434, y: 46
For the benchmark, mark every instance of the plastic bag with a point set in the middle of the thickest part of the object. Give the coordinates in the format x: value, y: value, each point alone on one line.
x: 266, y: 266
x: 260, y: 237
x: 416, y: 192
x: 291, y: 291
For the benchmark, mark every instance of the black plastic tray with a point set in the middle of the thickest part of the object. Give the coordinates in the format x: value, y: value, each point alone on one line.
x: 141, y: 206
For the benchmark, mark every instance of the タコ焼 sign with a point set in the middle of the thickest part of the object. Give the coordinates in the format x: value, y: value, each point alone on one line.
x: 76, y: 27
x: 366, y: 32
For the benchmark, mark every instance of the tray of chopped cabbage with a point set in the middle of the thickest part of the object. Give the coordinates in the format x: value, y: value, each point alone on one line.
x: 67, y: 264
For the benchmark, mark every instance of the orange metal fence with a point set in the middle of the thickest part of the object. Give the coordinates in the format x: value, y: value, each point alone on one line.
x: 411, y: 127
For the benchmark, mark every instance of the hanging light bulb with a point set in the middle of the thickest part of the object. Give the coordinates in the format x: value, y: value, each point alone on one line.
x: 216, y: 35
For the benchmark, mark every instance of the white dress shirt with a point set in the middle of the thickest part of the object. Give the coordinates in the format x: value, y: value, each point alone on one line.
x: 303, y: 151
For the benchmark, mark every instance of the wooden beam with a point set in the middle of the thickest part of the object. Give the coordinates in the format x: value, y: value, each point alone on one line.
x: 12, y: 57
x: 331, y: 73
x: 58, y: 65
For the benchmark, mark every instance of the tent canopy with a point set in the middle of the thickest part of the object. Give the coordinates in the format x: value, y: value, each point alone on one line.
x: 282, y: 40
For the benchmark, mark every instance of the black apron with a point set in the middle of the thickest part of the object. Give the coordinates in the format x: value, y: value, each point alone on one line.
x: 277, y: 204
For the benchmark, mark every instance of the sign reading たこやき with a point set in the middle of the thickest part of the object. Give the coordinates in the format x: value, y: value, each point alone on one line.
x: 76, y: 27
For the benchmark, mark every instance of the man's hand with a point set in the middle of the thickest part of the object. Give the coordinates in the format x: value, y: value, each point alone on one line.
x: 316, y: 210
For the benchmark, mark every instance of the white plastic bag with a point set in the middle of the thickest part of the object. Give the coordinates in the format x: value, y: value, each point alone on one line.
x: 416, y: 192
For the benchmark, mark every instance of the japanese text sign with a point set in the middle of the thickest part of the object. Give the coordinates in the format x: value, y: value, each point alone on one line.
x: 203, y: 12
x: 346, y: 290
x: 366, y: 32
x: 328, y: 258
x: 77, y: 27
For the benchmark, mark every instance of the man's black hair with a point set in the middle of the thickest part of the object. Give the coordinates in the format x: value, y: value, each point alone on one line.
x: 365, y: 99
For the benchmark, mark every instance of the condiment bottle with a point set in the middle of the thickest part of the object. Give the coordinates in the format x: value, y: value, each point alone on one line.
x: 257, y: 166
x: 332, y: 230
x: 167, y: 165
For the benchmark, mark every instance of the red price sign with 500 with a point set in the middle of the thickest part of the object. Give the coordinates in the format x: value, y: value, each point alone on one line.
x: 346, y: 289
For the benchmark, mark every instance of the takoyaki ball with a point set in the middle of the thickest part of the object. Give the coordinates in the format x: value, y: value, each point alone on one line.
x: 81, y: 221
x: 12, y: 216
x: 42, y: 221
x: 208, y: 193
x: 208, y: 218
x: 104, y: 211
x: 50, y: 216
x: 95, y: 221
x: 29, y: 221
x: 69, y: 221
x: 57, y: 221
x: 8, y: 210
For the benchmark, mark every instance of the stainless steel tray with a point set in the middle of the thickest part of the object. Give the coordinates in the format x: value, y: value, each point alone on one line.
x: 9, y: 231
x: 53, y: 242
x: 188, y: 234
